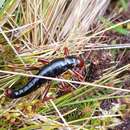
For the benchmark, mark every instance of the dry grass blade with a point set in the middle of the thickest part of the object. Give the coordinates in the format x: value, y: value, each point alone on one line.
x: 61, y: 116
x: 11, y: 45
x: 8, y: 7
x: 68, y: 81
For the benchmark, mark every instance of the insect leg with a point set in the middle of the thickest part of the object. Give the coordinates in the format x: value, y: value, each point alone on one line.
x: 63, y: 88
x: 45, y: 92
x: 44, y: 61
x: 66, y: 51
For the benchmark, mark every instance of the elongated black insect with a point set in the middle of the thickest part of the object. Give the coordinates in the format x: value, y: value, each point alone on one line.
x: 53, y: 69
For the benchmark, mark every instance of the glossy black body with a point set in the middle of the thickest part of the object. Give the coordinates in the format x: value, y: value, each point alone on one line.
x: 53, y: 69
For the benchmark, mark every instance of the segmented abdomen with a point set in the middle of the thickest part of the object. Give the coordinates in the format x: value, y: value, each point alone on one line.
x: 53, y: 69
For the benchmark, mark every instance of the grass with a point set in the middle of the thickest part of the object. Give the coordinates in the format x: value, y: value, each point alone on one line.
x: 37, y: 29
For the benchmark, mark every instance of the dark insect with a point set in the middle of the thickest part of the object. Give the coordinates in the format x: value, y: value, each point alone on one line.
x: 52, y: 69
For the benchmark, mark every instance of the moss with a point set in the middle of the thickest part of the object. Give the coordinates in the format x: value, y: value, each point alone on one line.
x: 1, y: 60
x: 8, y: 54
